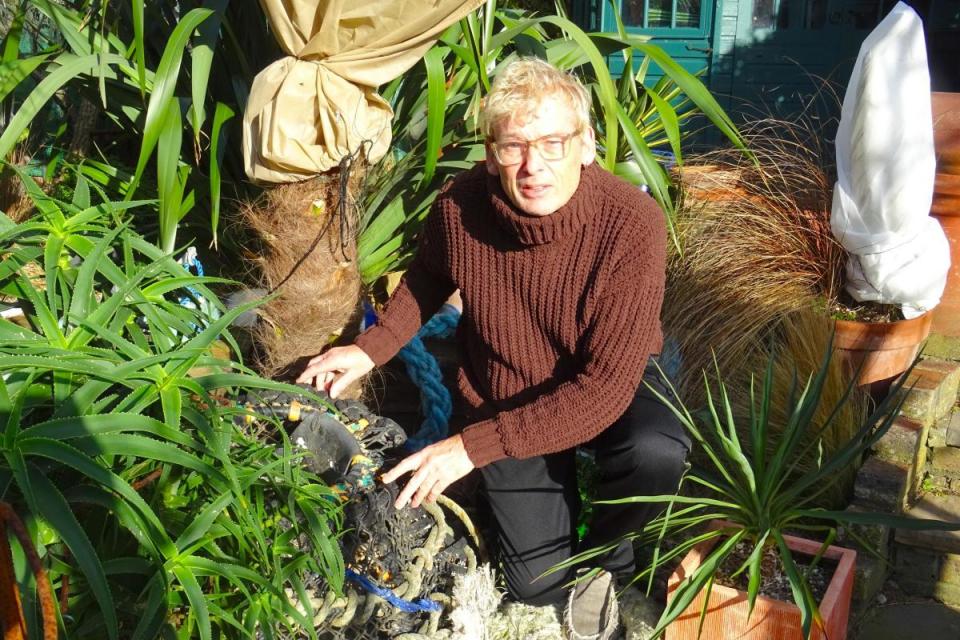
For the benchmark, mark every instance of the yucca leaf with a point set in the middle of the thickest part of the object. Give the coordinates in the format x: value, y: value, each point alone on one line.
x: 222, y: 113
x: 162, y: 96
x: 809, y: 611
x: 436, y: 108
x: 755, y: 575
x: 169, y: 184
x: 667, y: 118
x: 67, y: 68
x: 694, y: 89
x: 201, y: 56
x: 14, y: 71
x: 692, y: 585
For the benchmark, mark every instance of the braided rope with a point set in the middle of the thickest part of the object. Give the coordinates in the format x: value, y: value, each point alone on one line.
x: 435, y: 401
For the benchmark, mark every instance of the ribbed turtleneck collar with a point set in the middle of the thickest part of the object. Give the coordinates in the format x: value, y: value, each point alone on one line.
x: 534, y: 230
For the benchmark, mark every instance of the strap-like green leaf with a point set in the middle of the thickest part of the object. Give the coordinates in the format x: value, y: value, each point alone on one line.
x: 198, y: 603
x: 221, y: 115
x: 201, y: 55
x: 68, y: 68
x: 55, y: 510
x: 13, y: 72
x: 159, y: 107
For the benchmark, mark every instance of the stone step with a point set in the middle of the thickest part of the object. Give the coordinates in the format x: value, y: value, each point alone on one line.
x: 934, y: 384
x: 943, y: 470
x: 937, y: 507
x: 927, y: 562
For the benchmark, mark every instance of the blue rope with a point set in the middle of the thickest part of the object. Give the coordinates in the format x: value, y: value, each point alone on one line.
x: 435, y: 402
x: 407, y: 606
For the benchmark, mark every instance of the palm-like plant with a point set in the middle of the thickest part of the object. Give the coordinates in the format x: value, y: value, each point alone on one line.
x: 761, y: 491
x: 167, y: 77
x: 437, y: 103
x: 151, y: 508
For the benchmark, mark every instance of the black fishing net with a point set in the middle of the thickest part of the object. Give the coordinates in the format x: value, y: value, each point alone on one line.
x: 400, y: 563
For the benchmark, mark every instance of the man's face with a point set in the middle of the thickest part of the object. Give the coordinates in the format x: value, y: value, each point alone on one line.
x: 538, y: 186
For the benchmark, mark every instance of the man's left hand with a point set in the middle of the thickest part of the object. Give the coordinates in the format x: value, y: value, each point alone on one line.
x: 434, y: 469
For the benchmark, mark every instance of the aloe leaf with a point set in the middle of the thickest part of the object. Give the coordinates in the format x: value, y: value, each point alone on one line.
x: 198, y: 603
x: 154, y: 610
x: 71, y: 457
x: 98, y: 425
x: 55, y: 509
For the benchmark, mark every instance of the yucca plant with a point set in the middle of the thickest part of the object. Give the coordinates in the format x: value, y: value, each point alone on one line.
x: 437, y: 103
x: 763, y: 495
x: 154, y: 513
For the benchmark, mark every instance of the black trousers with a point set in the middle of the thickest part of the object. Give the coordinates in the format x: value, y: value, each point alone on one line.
x: 536, y: 504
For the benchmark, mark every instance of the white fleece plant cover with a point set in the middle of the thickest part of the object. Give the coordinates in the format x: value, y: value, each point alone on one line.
x: 320, y: 103
x: 885, y: 172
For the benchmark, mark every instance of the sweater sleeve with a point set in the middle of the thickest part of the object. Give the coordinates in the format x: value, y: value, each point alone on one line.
x: 421, y: 292
x: 623, y: 333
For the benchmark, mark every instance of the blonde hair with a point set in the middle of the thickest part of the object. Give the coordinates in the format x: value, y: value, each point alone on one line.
x: 520, y: 87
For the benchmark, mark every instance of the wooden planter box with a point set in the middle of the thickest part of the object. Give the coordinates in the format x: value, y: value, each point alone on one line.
x: 726, y: 616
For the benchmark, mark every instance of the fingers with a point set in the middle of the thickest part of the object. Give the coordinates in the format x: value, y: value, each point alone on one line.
x: 412, y: 488
x: 407, y: 464
x: 338, y: 383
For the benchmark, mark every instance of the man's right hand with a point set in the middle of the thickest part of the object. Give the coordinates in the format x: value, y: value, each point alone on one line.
x: 334, y: 370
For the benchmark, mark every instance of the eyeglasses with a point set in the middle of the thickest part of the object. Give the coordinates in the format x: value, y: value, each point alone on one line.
x: 551, y: 147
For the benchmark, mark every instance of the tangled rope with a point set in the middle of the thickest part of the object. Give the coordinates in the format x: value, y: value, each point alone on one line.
x: 435, y: 402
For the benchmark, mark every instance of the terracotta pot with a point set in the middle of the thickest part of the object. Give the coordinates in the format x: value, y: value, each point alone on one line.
x: 881, y: 350
x: 727, y: 609
x: 946, y: 204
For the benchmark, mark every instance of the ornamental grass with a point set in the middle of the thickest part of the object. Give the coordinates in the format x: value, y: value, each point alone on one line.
x: 758, y: 266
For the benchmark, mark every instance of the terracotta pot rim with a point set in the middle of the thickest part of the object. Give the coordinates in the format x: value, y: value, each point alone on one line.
x: 857, y: 335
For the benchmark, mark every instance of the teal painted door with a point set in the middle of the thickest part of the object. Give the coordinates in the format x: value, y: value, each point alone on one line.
x: 684, y: 28
x: 785, y: 51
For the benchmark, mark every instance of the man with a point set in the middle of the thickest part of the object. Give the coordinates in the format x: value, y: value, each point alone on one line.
x: 560, y: 266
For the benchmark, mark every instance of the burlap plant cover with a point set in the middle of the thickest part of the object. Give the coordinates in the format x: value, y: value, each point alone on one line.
x: 309, y: 110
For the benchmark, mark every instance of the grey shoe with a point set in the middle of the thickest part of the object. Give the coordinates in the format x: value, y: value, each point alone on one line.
x: 592, y: 612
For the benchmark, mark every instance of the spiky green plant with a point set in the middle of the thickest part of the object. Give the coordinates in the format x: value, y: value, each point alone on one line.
x: 763, y: 493
x: 153, y: 511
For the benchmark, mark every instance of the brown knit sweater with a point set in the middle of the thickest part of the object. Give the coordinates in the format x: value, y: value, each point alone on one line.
x: 560, y: 313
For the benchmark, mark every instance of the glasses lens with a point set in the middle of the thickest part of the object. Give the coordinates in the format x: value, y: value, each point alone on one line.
x: 509, y: 152
x: 553, y: 148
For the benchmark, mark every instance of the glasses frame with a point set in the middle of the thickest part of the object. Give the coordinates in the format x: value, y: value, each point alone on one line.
x: 535, y: 143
